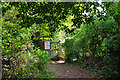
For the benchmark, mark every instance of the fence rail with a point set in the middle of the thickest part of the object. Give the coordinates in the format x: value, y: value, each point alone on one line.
x: 54, y: 49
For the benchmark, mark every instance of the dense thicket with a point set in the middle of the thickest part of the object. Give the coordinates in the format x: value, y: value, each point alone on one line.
x: 53, y: 13
x: 21, y: 58
x: 98, y: 43
x: 25, y: 23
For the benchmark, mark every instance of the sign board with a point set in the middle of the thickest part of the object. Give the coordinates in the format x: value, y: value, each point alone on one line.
x: 46, y: 45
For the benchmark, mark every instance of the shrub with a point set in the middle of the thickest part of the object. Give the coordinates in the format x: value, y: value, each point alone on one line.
x: 20, y: 58
x: 100, y: 41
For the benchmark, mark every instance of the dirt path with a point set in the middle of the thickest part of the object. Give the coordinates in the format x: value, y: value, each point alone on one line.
x: 65, y: 70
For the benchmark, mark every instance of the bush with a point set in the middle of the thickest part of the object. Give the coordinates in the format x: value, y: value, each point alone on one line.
x: 100, y: 41
x: 20, y: 58
x: 69, y: 50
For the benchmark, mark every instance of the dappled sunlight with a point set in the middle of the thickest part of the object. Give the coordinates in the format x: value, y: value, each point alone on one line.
x: 74, y: 39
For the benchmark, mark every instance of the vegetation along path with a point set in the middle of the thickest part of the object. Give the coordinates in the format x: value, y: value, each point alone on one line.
x: 67, y: 70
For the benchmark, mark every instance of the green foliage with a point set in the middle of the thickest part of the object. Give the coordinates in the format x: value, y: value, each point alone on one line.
x: 52, y: 14
x: 99, y: 40
x: 69, y: 50
x: 20, y: 57
x: 32, y: 65
x: 113, y: 9
x: 25, y: 23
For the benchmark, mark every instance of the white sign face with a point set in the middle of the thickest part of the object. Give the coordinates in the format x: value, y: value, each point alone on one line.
x: 46, y: 45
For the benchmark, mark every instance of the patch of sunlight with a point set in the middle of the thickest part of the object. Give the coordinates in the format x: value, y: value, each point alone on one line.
x: 62, y: 52
x: 48, y: 38
x: 99, y: 54
x: 60, y: 61
x: 81, y: 54
x: 75, y: 59
x: 87, y: 54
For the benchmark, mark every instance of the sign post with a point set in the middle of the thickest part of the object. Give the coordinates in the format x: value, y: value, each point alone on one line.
x: 46, y: 45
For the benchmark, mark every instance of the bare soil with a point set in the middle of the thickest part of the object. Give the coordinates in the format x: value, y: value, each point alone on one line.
x: 67, y: 70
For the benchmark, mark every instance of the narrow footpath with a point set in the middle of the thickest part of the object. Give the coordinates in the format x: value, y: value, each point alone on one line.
x: 67, y: 70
